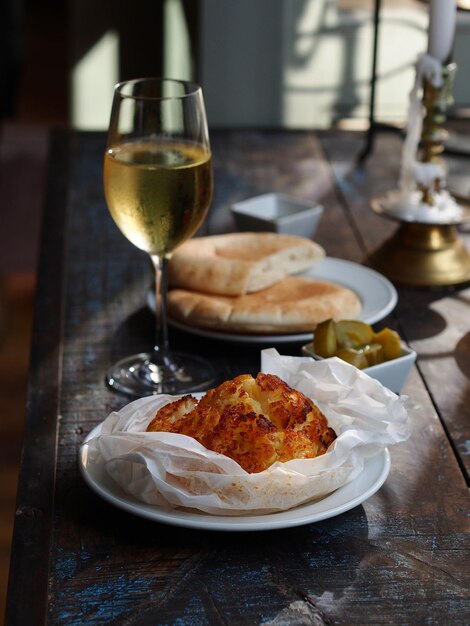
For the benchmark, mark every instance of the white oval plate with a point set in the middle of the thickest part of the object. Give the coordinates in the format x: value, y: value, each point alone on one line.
x: 369, y: 481
x: 377, y: 294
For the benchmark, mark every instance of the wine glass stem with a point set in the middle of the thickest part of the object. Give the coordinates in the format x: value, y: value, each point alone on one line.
x: 161, y: 349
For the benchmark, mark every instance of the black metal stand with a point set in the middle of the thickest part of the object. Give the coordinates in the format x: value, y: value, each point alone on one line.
x: 373, y: 80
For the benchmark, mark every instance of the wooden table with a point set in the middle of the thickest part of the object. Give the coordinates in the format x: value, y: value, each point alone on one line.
x: 399, y: 558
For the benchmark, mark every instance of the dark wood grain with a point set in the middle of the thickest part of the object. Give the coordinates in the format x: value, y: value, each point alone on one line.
x: 400, y: 558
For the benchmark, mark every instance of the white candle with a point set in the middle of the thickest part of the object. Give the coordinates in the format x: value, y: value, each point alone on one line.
x: 442, y: 15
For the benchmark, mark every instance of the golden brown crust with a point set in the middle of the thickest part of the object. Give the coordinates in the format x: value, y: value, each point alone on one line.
x: 256, y: 422
x: 239, y: 263
x: 295, y: 304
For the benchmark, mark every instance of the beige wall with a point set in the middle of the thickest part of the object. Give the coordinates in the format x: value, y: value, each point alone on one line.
x: 292, y: 63
x: 305, y: 63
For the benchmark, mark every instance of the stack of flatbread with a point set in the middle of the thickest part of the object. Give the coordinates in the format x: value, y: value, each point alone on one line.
x: 247, y: 283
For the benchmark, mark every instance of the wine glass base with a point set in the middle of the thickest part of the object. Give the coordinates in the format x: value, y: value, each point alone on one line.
x: 137, y: 376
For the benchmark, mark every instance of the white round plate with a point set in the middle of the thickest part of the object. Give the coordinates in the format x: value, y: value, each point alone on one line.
x: 377, y: 294
x: 370, y: 480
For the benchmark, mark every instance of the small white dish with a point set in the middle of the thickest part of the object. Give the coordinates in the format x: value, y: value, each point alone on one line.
x: 392, y: 374
x: 278, y: 213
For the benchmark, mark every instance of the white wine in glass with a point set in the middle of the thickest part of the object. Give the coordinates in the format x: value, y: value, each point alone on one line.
x: 158, y: 187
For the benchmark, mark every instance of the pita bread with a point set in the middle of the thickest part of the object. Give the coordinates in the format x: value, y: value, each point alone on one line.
x: 239, y: 263
x: 295, y: 304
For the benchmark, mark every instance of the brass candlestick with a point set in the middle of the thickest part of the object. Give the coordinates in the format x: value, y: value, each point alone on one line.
x: 423, y: 255
x: 426, y: 249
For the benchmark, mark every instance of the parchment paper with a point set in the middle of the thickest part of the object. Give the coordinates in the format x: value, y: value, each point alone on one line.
x: 172, y: 470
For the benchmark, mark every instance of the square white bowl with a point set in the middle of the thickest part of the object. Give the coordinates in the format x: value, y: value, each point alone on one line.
x: 277, y: 213
x: 391, y: 374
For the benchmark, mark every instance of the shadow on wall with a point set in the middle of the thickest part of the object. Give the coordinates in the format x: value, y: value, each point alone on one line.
x: 305, y: 63
x: 282, y: 63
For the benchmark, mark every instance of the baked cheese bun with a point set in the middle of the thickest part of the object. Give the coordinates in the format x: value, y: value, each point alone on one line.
x: 255, y: 422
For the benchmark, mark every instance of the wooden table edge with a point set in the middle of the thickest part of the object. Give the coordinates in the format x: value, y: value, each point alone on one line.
x: 27, y: 595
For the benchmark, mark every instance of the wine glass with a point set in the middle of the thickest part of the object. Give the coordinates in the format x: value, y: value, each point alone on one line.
x: 158, y: 187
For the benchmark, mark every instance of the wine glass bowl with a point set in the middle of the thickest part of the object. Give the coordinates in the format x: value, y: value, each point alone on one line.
x: 158, y: 188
